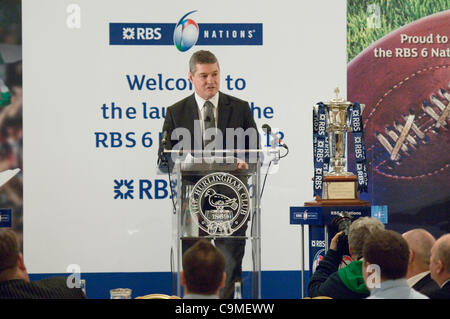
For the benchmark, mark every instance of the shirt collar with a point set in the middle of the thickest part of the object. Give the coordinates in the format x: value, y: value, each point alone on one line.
x: 200, y: 101
x: 445, y: 282
x: 415, y: 279
x: 392, y: 283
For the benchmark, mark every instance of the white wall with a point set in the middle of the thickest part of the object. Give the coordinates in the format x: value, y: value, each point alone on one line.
x: 70, y: 215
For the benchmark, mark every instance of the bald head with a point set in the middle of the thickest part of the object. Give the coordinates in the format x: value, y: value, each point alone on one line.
x: 440, y: 260
x: 420, y: 243
x: 442, y: 247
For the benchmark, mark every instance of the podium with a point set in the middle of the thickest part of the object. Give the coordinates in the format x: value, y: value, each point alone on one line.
x: 322, y: 225
x: 318, y: 226
x: 216, y: 199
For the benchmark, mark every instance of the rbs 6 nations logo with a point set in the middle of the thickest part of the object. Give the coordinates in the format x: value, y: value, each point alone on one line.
x: 185, y: 34
x: 219, y: 204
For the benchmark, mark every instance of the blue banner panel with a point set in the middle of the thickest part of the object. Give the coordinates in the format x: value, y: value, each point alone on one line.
x: 380, y: 213
x: 316, y: 247
x: 5, y: 217
x: 230, y: 34
x: 330, y: 213
x: 163, y: 33
x: 141, y: 33
x: 284, y: 284
x: 300, y: 215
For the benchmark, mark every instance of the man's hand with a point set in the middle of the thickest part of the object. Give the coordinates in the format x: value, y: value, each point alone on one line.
x: 334, y: 241
x: 242, y: 165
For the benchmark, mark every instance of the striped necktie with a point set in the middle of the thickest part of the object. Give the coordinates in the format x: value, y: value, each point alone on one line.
x: 209, y: 120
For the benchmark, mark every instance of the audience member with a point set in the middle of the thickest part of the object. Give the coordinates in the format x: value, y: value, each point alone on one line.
x: 347, y: 282
x: 418, y: 275
x: 386, y: 256
x: 14, y: 280
x: 203, y: 272
x: 440, y: 267
x: 11, y: 149
x: 11, y: 140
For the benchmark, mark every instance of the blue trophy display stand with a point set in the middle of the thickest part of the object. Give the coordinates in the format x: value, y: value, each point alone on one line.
x: 321, y: 228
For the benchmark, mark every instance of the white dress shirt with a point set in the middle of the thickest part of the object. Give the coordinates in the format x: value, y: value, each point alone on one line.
x: 200, y: 103
x: 415, y: 279
x: 444, y: 283
x: 395, y: 289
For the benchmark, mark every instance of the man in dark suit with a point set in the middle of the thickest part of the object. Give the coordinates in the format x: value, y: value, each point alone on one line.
x: 14, y: 281
x: 211, y: 120
x: 209, y: 115
x: 418, y: 276
x: 440, y: 267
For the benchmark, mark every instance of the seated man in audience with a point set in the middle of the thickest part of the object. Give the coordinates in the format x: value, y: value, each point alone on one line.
x: 14, y: 281
x: 440, y: 267
x: 418, y: 276
x: 386, y: 255
x: 347, y: 282
x: 203, y: 272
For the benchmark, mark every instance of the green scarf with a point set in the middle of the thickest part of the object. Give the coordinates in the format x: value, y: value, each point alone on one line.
x: 351, y: 276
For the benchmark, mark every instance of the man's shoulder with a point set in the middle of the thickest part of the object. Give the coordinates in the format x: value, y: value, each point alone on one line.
x: 426, y: 285
x: 230, y: 99
x: 52, y: 282
x: 179, y: 104
x: 49, y: 288
x: 442, y: 293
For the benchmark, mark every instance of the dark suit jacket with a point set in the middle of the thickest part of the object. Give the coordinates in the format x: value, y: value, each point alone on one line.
x: 426, y: 285
x: 443, y: 293
x: 326, y: 282
x: 49, y: 288
x: 232, y: 113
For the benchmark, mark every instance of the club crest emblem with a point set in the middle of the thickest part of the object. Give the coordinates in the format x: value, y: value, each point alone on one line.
x: 219, y: 204
x: 318, y: 257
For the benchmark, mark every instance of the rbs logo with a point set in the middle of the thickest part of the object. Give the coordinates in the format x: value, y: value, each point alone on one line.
x: 140, y: 33
x: 141, y: 189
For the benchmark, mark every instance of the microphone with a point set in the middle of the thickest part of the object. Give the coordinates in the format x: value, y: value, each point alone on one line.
x: 164, y: 138
x: 162, y: 158
x: 277, y: 141
x: 266, y: 128
x: 283, y: 144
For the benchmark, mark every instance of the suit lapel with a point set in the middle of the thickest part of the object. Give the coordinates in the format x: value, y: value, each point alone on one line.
x: 193, y: 125
x: 422, y: 282
x: 192, y: 107
x: 224, y: 112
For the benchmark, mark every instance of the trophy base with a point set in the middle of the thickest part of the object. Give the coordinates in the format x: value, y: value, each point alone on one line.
x: 338, y: 174
x: 339, y: 190
x: 337, y: 202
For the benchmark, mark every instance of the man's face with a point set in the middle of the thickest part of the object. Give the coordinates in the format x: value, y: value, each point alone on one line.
x: 206, y: 80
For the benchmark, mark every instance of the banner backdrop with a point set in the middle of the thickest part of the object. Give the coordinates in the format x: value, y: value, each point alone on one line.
x: 399, y: 59
x: 98, y: 77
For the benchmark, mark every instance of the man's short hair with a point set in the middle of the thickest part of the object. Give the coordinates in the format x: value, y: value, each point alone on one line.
x: 390, y: 251
x: 359, y: 230
x: 202, y: 57
x: 203, y: 266
x: 9, y: 249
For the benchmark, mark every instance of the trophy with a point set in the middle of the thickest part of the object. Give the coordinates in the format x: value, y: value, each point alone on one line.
x: 333, y: 184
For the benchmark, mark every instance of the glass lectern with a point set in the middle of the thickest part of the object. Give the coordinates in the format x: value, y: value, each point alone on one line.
x: 218, y: 198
